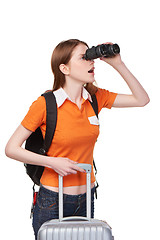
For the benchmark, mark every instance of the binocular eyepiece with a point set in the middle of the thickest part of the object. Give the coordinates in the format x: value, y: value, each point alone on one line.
x: 103, y: 50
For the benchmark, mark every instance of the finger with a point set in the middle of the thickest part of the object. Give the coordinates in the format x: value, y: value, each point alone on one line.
x: 61, y: 174
x: 75, y: 167
x: 108, y: 43
x: 73, y: 172
x: 79, y: 169
x: 70, y: 171
x: 105, y: 43
x: 65, y: 174
x: 82, y: 170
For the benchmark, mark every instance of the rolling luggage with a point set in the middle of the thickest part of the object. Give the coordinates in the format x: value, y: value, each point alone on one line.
x: 75, y: 228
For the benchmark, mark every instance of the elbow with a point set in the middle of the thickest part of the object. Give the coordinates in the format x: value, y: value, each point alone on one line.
x: 148, y: 100
x: 143, y: 102
x: 8, y: 151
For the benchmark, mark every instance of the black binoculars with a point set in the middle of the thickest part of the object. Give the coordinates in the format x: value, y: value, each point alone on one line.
x: 103, y: 50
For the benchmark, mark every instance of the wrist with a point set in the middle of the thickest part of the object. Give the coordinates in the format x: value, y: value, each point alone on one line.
x: 49, y: 162
x: 119, y: 67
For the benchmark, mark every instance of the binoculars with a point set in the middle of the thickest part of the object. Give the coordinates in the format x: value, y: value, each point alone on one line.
x: 103, y: 50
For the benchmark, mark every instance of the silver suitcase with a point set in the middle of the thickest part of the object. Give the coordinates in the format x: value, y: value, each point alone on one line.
x: 75, y: 228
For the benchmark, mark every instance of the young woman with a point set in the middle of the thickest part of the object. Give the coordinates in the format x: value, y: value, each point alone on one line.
x: 76, y: 132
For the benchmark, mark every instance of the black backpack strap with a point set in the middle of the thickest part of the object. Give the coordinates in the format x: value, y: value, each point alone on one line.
x: 97, y: 185
x: 51, y: 120
x: 94, y: 104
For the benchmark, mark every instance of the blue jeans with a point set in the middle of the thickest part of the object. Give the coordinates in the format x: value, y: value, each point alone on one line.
x: 46, y: 207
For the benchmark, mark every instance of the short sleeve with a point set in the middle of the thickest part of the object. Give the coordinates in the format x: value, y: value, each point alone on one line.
x: 105, y: 98
x: 36, y: 115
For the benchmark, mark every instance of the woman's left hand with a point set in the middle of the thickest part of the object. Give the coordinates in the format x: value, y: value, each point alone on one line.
x: 113, y: 61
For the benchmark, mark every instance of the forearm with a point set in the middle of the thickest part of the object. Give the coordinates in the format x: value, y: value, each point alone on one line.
x: 62, y: 166
x: 136, y: 88
x: 14, y: 150
x: 139, y: 97
x: 25, y: 156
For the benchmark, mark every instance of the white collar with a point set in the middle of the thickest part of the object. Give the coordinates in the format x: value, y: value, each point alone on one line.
x: 61, y: 96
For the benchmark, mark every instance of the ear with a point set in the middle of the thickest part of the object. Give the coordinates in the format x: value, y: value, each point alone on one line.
x: 64, y: 69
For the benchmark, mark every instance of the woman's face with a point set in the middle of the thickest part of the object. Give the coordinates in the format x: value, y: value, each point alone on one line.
x: 80, y: 69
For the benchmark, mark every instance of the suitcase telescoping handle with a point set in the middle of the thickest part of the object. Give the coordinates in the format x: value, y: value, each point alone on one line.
x: 87, y: 168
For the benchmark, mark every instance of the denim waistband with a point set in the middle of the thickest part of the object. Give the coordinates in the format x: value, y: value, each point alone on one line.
x: 49, y: 193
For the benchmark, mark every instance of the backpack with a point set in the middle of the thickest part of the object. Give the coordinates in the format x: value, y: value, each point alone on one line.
x: 35, y: 143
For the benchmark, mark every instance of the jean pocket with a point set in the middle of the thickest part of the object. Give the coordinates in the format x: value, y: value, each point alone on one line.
x: 47, y: 203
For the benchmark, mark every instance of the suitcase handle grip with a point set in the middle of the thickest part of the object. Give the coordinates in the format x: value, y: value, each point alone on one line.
x: 88, y: 169
x: 85, y: 166
x: 74, y: 218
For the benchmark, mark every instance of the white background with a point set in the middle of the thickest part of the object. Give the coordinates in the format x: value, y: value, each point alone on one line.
x: 127, y: 151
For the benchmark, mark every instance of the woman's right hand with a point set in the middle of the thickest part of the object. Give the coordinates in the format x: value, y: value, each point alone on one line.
x: 63, y: 166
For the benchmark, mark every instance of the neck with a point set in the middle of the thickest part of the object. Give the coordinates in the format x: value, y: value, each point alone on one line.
x: 74, y: 91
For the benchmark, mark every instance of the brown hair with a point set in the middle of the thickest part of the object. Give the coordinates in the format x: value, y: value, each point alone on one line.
x: 62, y: 55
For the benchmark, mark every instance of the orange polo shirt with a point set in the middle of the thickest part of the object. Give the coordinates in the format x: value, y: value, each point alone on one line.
x: 76, y: 131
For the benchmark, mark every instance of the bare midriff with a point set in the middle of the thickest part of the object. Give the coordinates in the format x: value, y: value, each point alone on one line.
x: 73, y: 190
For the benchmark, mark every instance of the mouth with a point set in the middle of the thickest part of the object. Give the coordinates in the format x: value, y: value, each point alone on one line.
x: 91, y: 70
